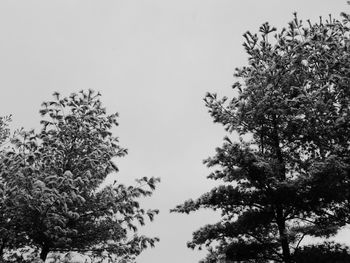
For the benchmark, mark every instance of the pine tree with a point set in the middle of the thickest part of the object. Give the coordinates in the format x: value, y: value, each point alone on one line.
x: 288, y: 176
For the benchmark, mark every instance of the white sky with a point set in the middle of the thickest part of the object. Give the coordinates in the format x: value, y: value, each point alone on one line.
x: 153, y: 61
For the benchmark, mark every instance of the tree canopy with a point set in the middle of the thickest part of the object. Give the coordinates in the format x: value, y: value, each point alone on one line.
x: 54, y: 186
x: 288, y: 175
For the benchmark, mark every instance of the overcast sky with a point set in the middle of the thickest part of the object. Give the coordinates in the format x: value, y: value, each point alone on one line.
x: 153, y: 61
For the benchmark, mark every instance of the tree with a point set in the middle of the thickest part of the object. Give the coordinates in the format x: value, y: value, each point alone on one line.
x: 288, y: 176
x: 56, y: 179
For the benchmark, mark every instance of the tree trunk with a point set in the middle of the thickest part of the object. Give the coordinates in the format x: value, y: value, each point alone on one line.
x: 281, y: 222
x: 283, y: 235
x: 44, y: 252
x: 278, y: 151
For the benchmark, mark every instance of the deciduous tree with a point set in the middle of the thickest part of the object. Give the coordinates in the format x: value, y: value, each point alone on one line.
x: 57, y: 175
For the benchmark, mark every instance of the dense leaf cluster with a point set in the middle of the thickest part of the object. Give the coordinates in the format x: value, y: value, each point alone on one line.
x: 4, y: 129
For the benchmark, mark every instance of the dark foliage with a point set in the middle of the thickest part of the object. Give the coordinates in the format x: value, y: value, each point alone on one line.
x: 323, y: 253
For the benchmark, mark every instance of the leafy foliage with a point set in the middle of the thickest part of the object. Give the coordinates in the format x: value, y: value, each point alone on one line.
x: 54, y: 183
x: 4, y: 129
x: 8, y: 237
x: 288, y: 176
x: 4, y: 134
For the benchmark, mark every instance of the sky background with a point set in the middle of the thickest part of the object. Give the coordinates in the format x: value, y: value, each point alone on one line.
x: 153, y: 61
